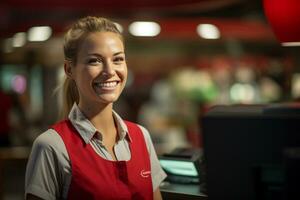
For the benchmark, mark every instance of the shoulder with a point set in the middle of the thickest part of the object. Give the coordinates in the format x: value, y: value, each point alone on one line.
x: 147, y: 137
x: 48, y: 166
x: 50, y: 143
x: 125, y: 125
x: 141, y: 128
x: 49, y: 151
x: 49, y: 139
x: 145, y: 132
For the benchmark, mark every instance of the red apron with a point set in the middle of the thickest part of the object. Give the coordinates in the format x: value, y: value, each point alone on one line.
x: 96, y: 178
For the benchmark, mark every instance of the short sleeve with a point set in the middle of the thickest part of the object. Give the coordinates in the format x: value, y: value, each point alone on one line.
x: 157, y: 173
x: 46, y: 167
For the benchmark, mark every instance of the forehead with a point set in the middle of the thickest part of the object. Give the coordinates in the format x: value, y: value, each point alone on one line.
x: 101, y: 42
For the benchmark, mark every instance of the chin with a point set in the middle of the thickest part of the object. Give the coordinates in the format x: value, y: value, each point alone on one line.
x: 108, y: 100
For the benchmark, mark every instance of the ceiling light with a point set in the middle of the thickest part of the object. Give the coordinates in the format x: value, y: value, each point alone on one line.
x: 39, y: 33
x: 144, y: 29
x: 208, y: 31
x: 19, y: 39
x: 290, y: 44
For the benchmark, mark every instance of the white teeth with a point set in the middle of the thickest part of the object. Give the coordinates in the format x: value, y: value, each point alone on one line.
x: 106, y: 84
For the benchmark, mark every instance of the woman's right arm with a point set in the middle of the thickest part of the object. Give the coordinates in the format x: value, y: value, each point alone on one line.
x: 44, y: 176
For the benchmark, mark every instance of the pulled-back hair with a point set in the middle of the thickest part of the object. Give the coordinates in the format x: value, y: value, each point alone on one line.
x: 72, y: 42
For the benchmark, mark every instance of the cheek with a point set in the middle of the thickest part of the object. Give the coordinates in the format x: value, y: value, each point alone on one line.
x: 85, y: 76
x: 92, y: 72
x: 124, y: 72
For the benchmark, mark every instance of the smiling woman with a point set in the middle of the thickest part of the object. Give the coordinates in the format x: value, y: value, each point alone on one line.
x: 93, y: 153
x: 100, y: 71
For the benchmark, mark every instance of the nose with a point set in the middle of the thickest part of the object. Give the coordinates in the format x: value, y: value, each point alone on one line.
x: 108, y: 69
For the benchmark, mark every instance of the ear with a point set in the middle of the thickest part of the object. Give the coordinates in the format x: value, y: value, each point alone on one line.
x: 68, y: 69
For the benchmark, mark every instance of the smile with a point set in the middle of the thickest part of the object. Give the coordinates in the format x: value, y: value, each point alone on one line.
x: 106, y: 85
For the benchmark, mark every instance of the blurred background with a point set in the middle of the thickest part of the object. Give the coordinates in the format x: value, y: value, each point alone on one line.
x: 183, y: 57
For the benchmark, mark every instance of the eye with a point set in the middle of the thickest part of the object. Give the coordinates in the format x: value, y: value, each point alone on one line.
x: 94, y: 61
x: 119, y: 59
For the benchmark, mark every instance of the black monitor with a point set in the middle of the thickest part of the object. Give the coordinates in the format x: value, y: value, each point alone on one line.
x: 245, y: 150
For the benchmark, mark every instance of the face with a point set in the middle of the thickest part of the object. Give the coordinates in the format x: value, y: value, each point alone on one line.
x: 101, y: 71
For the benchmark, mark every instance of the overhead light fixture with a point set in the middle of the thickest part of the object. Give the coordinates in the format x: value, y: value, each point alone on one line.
x: 39, y: 33
x: 19, y: 39
x: 144, y: 29
x: 208, y: 31
x: 290, y: 44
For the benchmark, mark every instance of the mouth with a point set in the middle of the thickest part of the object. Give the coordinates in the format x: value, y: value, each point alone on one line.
x: 107, y: 85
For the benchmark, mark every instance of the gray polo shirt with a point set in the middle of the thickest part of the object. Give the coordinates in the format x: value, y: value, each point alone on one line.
x: 48, y: 173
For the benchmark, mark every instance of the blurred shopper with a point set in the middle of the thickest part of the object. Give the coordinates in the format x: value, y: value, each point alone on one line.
x: 93, y: 153
x: 5, y: 106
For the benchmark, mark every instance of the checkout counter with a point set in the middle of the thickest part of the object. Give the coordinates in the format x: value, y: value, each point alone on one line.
x: 175, y: 191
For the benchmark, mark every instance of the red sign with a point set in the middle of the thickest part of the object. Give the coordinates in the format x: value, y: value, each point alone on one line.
x: 284, y: 18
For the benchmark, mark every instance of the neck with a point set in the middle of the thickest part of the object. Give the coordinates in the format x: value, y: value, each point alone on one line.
x: 100, y: 116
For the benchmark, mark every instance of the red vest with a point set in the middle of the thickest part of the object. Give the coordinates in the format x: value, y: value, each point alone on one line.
x: 96, y: 178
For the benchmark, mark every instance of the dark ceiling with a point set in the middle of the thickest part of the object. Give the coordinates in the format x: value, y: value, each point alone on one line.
x: 116, y: 4
x: 242, y: 18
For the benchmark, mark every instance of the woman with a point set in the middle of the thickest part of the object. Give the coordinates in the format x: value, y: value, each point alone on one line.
x: 93, y: 154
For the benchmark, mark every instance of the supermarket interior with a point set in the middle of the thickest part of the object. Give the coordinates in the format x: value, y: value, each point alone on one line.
x: 183, y: 58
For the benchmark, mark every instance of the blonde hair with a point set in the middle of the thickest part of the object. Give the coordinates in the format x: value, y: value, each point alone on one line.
x: 72, y: 41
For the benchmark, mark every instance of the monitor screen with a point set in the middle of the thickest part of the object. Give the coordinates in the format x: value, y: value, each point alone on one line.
x: 182, y: 165
x: 244, y: 150
x: 179, y: 167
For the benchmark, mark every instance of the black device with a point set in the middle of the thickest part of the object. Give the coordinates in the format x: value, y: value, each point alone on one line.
x: 244, y: 150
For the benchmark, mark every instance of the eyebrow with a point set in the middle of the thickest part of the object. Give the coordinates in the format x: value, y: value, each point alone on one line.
x: 99, y: 55
x: 118, y: 53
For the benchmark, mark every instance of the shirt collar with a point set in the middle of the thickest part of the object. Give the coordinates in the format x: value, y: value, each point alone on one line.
x: 87, y: 130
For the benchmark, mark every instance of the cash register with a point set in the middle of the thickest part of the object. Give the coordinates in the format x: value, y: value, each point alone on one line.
x: 182, y: 165
x: 185, y: 180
